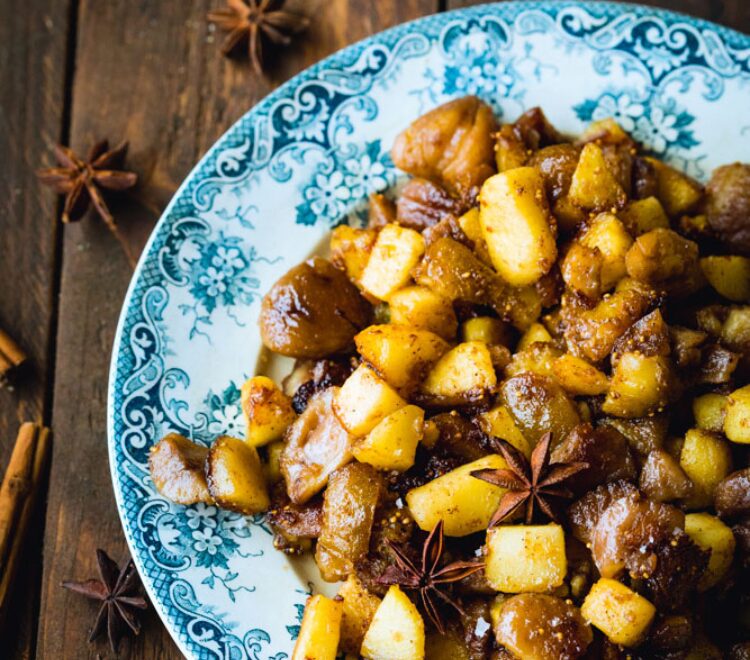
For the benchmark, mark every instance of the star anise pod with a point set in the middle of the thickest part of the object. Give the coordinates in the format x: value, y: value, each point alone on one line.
x: 533, y: 482
x: 429, y: 578
x: 81, y: 182
x: 255, y: 21
x: 119, y: 591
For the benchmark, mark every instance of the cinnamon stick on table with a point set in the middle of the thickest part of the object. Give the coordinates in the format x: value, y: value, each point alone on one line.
x: 18, y: 495
x: 11, y: 356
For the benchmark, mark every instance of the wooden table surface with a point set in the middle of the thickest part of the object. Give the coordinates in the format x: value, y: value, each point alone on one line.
x: 149, y: 71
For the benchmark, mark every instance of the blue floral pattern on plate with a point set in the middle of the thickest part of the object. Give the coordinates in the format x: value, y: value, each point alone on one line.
x: 304, y: 160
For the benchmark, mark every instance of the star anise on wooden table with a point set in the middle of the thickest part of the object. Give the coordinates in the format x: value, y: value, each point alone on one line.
x: 119, y: 591
x: 530, y: 482
x: 429, y: 577
x: 82, y: 180
x: 254, y: 21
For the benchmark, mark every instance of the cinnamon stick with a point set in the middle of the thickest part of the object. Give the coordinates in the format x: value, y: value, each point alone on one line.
x: 11, y: 356
x: 19, y: 493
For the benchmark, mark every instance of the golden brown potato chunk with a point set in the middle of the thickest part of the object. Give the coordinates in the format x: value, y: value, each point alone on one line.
x: 565, y: 636
x: 348, y: 511
x: 728, y: 205
x: 312, y: 311
x: 665, y: 260
x: 451, y: 145
x: 235, y: 476
x: 316, y: 445
x: 176, y: 466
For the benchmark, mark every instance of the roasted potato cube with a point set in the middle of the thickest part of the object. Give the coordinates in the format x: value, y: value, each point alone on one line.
x: 401, y: 355
x: 312, y: 311
x: 640, y: 385
x: 392, y: 444
x: 709, y: 411
x: 420, y: 307
x: 396, y: 251
x: 594, y: 186
x: 348, y: 511
x: 463, y: 374
x: 537, y: 405
x: 464, y: 503
x: 578, y: 376
x: 516, y: 224
x: 235, y: 476
x: 451, y: 144
x: 396, y: 631
x: 729, y: 276
x: 363, y: 400
x: 316, y: 445
x: 536, y: 333
x: 536, y: 359
x: 621, y: 614
x: 268, y: 411
x: 350, y: 249
x: 737, y: 416
x: 678, y: 193
x: 485, y: 329
x: 706, y: 460
x: 177, y: 469
x: 499, y: 423
x: 709, y: 533
x: 642, y: 215
x: 525, y: 558
x: 664, y: 259
x: 320, y: 629
x: 358, y: 611
x: 608, y: 235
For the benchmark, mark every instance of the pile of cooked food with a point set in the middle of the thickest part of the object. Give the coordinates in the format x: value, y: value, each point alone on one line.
x: 519, y: 417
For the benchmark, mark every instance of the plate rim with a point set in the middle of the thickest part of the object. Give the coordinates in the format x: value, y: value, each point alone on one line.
x: 730, y: 36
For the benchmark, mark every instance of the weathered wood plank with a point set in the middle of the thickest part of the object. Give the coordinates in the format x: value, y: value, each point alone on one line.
x: 33, y: 38
x: 151, y: 73
x: 732, y: 13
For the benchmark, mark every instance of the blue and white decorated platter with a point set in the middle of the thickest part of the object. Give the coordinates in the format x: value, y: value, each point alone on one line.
x: 299, y: 163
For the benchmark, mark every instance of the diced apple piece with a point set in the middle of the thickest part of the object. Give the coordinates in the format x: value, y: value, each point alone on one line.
x: 487, y: 329
x: 639, y: 385
x: 711, y: 534
x: 396, y: 251
x: 642, y: 215
x: 235, y: 476
x: 401, y: 355
x: 363, y: 400
x: 498, y: 422
x: 737, y: 418
x: 525, y: 558
x: 677, y: 192
x: 350, y: 249
x: 420, y: 307
x: 608, y: 234
x: 620, y: 613
x: 320, y: 630
x: 729, y: 276
x: 396, y: 631
x: 177, y: 469
x: 359, y: 609
x: 706, y: 459
x: 268, y: 411
x: 516, y: 224
x: 464, y: 503
x: 392, y: 444
x: 594, y: 186
x: 709, y: 411
x: 463, y: 374
x: 578, y: 376
x: 535, y: 334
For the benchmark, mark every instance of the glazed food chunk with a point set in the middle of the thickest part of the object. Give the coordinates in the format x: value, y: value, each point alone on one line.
x: 177, y: 469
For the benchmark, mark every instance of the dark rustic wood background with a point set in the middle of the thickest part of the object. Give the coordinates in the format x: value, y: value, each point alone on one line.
x: 150, y: 71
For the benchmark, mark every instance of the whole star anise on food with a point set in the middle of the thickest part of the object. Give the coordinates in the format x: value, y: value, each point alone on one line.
x: 81, y: 181
x: 529, y: 482
x: 429, y: 578
x: 254, y: 21
x: 119, y: 591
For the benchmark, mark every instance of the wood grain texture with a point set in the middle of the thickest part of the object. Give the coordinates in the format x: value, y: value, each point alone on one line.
x: 732, y: 13
x: 32, y: 83
x: 150, y: 72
